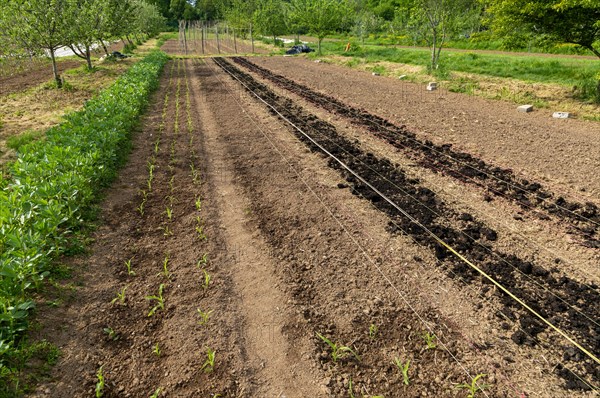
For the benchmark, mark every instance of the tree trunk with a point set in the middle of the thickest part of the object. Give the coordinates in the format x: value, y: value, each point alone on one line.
x: 275, y: 40
x: 57, y: 78
x: 433, y: 47
x: 129, y: 40
x: 320, y: 40
x: 104, y: 47
x: 88, y: 57
x: 251, y: 39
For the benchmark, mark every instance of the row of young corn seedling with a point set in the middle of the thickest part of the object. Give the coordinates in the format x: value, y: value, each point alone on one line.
x: 50, y: 188
x: 146, y: 191
x: 340, y: 352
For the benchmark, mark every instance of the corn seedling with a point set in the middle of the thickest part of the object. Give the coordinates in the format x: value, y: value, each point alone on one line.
x: 156, y: 350
x: 140, y: 208
x: 165, y: 272
x: 337, y: 351
x: 157, y: 145
x: 207, y: 279
x: 350, y: 388
x: 169, y: 213
x: 403, y: 367
x: 430, y: 340
x: 99, y: 383
x: 111, y: 334
x: 120, y: 296
x: 160, y: 302
x: 198, y: 203
x: 209, y: 364
x: 474, y: 387
x: 167, y: 231
x: 156, y: 393
x: 128, y: 265
x: 172, y: 183
x: 373, y: 330
x: 202, y: 261
x: 204, y: 315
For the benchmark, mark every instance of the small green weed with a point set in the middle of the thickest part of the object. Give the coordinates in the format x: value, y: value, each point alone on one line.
x: 429, y: 340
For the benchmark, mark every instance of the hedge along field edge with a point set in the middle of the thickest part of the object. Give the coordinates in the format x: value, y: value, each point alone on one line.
x: 54, y: 182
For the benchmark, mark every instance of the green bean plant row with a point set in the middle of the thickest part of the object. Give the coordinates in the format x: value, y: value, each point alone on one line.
x: 52, y: 186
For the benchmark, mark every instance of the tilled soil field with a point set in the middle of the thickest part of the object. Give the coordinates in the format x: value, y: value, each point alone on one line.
x: 317, y: 247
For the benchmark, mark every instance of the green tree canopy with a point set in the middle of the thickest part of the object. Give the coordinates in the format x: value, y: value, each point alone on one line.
x: 321, y: 17
x: 568, y: 21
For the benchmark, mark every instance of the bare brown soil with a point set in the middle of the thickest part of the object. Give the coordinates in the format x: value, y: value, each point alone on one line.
x: 34, y: 76
x: 295, y: 246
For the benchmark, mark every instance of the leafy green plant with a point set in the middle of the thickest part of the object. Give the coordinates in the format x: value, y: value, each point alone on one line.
x: 403, y: 367
x: 373, y: 331
x: 156, y: 393
x: 160, y: 302
x: 100, y: 383
x: 165, y: 272
x: 198, y: 203
x: 202, y: 261
x: 338, y: 351
x: 204, y: 316
x: 206, y: 282
x: 111, y: 334
x: 169, y: 213
x: 429, y: 340
x: 474, y: 388
x: 120, y: 297
x: 130, y: 272
x: 209, y: 364
x: 156, y: 350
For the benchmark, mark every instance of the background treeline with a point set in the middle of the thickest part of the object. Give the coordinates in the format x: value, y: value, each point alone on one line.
x: 568, y: 26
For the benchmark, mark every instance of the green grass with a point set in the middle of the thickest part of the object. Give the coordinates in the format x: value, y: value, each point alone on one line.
x: 530, y: 68
x: 17, y: 141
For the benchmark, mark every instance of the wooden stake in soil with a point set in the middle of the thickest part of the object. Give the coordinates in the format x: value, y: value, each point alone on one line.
x: 217, y: 33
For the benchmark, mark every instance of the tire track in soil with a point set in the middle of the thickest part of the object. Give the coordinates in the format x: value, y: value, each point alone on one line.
x: 276, y: 365
x: 585, y: 331
x: 584, y: 219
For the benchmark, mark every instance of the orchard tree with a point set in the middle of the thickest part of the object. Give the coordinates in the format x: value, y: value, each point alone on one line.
x: 366, y: 22
x: 37, y: 25
x: 565, y: 21
x: 86, y: 26
x: 436, y: 21
x: 321, y: 17
x: 148, y: 19
x: 270, y: 18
